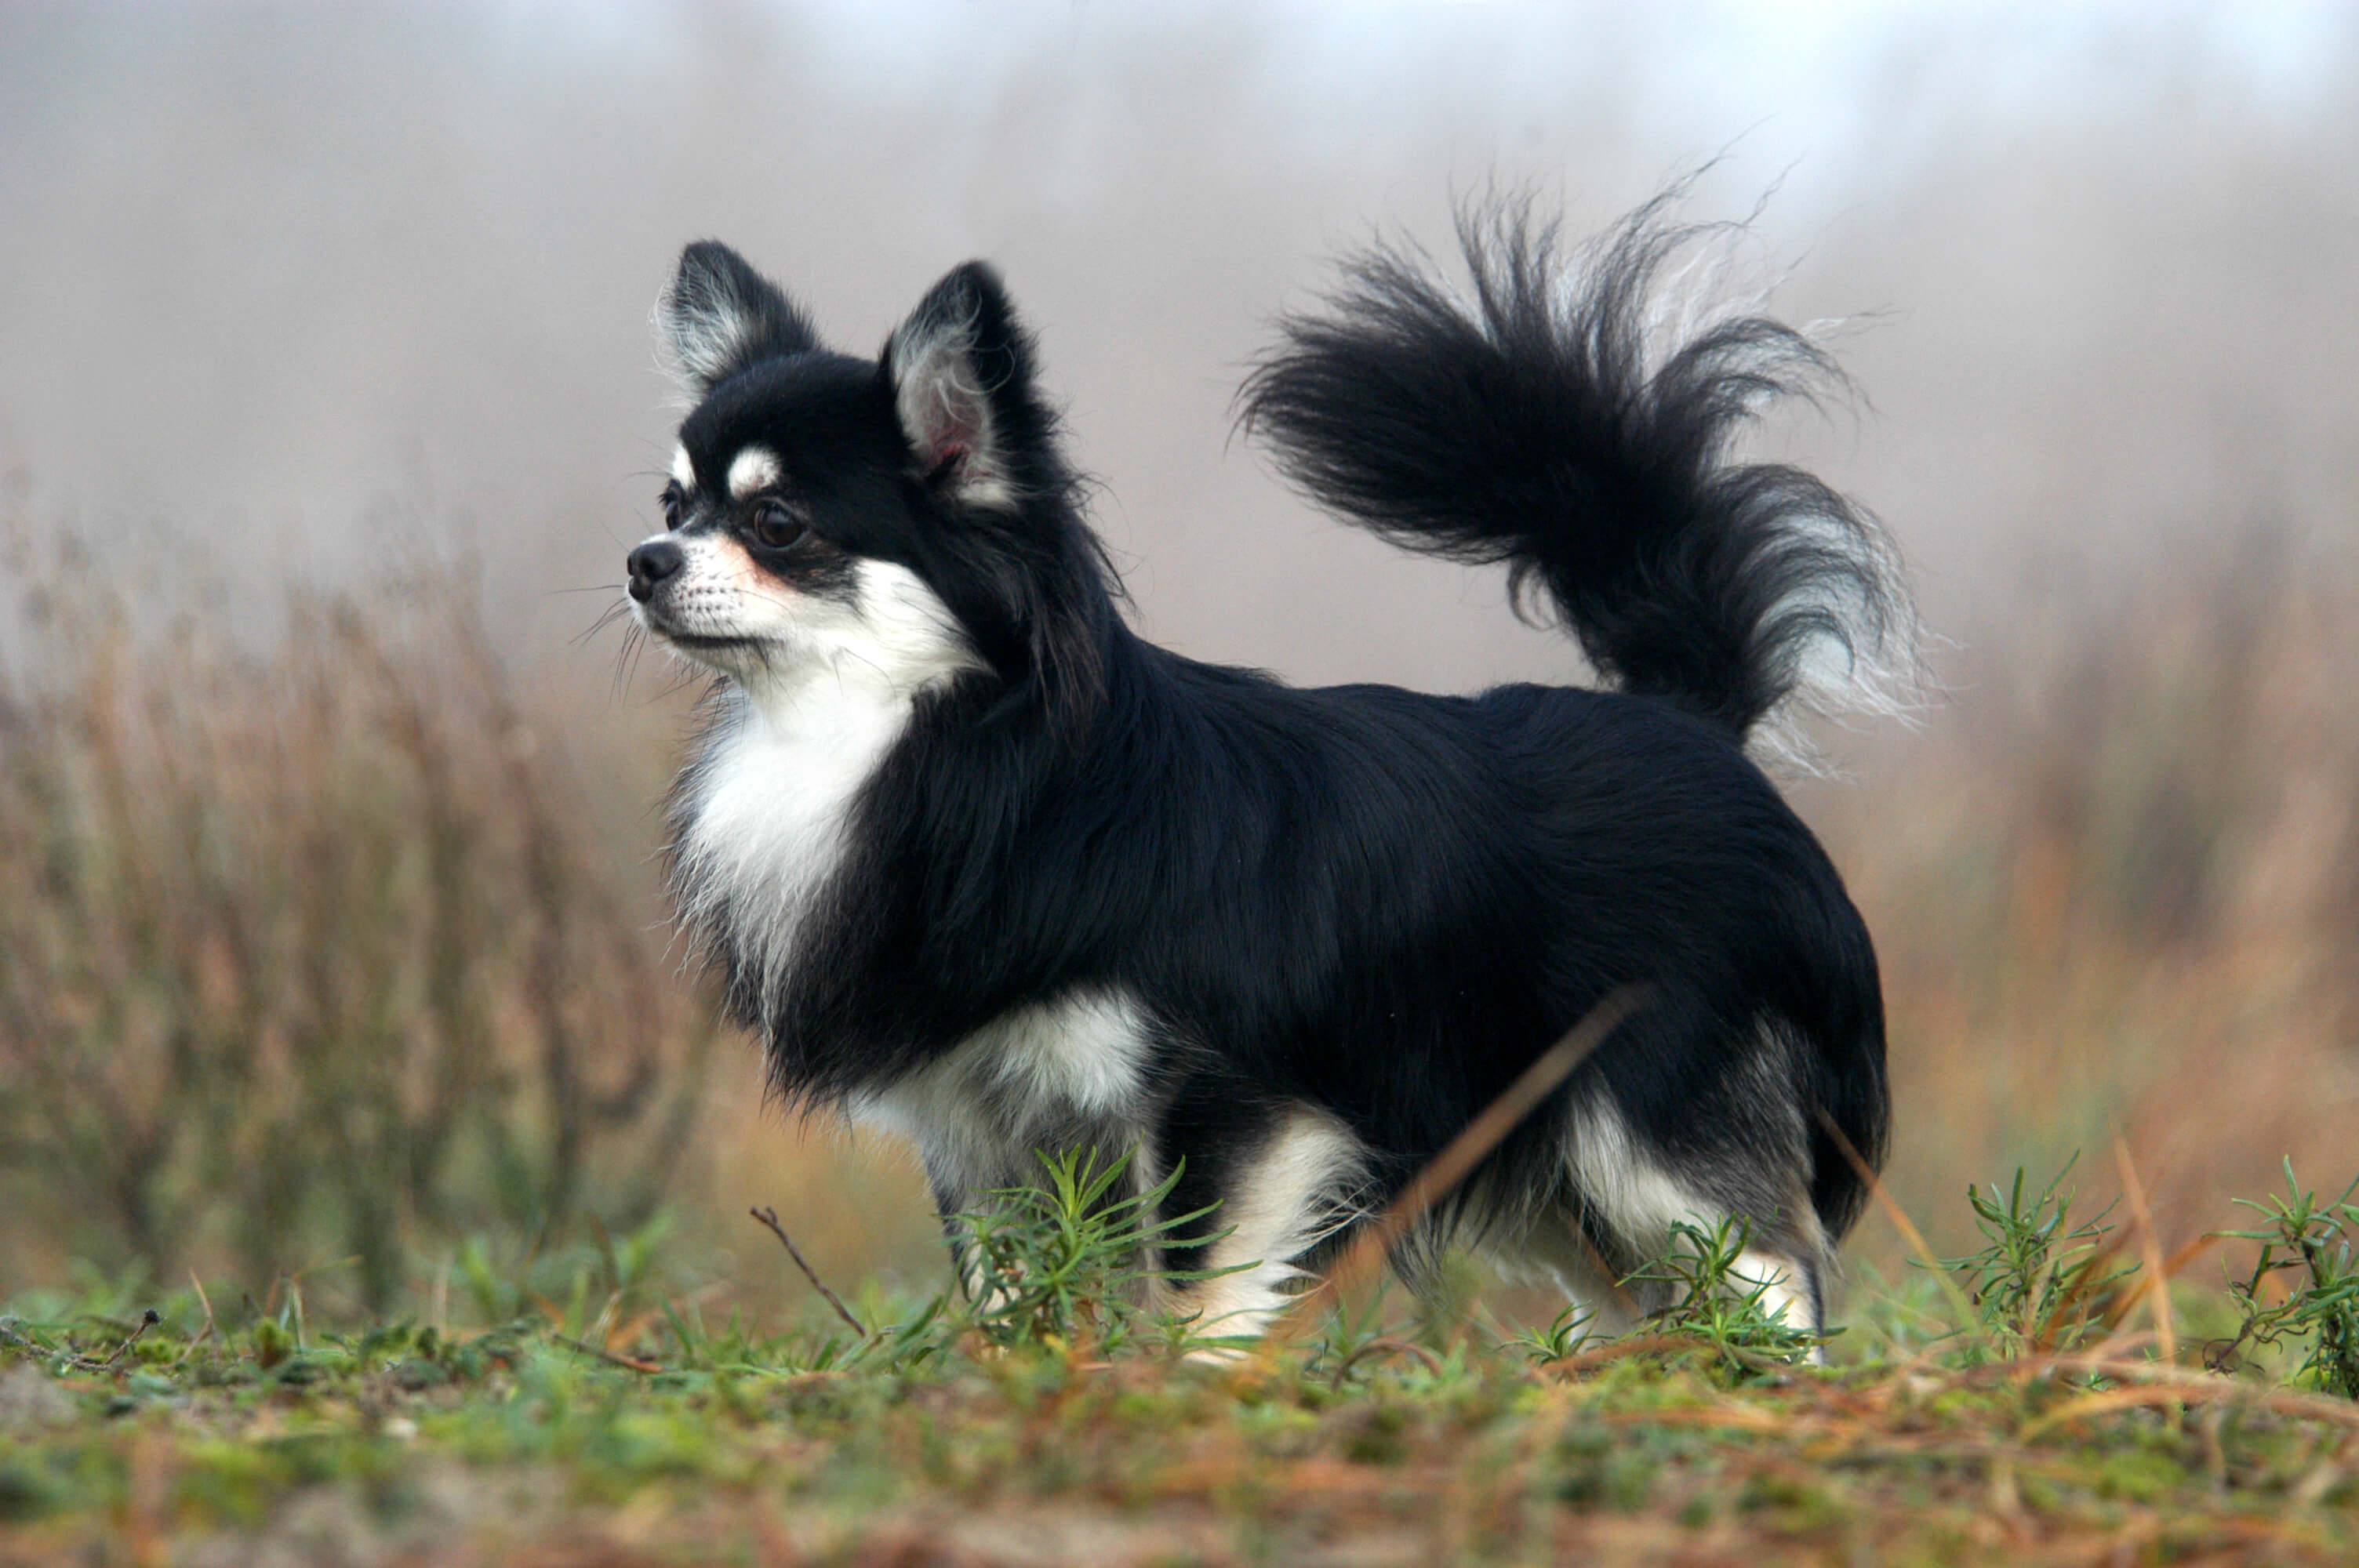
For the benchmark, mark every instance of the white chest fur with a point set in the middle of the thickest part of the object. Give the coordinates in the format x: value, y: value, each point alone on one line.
x: 769, y: 808
x: 770, y: 800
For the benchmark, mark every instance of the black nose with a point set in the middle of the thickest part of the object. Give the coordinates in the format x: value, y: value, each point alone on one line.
x: 650, y: 564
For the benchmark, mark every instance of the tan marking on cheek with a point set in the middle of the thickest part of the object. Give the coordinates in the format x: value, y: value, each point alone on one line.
x: 733, y: 567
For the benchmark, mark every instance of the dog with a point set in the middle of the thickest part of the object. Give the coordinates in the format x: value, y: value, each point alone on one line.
x: 978, y: 863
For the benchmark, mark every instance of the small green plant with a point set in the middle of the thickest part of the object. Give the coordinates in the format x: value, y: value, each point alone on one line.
x: 1567, y: 1335
x: 584, y: 1287
x: 2312, y: 1241
x: 1070, y: 1260
x: 2039, y: 1281
x: 1715, y: 1302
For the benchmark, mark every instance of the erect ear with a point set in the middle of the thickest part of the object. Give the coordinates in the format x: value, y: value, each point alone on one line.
x: 719, y: 315
x: 961, y: 368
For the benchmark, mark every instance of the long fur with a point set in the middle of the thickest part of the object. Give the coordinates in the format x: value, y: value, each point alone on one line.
x: 1063, y: 886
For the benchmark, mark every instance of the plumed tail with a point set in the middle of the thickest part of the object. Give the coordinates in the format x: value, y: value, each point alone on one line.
x: 1539, y: 424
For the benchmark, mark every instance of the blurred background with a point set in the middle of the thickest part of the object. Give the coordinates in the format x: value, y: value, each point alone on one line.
x: 330, y: 937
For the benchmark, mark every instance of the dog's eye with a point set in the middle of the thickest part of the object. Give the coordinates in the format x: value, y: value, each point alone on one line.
x: 673, y: 502
x: 773, y: 528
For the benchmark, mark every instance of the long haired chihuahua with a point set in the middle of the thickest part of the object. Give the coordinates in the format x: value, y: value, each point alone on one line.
x: 980, y: 864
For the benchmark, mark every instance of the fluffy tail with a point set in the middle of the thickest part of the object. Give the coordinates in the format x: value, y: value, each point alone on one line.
x: 1538, y: 425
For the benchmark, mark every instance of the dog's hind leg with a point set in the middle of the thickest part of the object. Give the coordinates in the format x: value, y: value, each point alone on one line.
x: 1554, y: 1247
x: 1626, y: 1197
x: 1284, y: 1179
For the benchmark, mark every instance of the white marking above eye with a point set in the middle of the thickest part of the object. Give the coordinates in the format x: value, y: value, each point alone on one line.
x: 683, y: 473
x: 754, y: 468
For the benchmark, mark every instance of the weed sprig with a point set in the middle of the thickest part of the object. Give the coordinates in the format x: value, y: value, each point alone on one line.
x: 1071, y: 1259
x: 2041, y: 1281
x: 1715, y: 1302
x: 2313, y: 1242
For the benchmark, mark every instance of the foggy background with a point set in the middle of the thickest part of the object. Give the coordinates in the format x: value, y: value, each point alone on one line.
x: 265, y: 272
x: 307, y: 296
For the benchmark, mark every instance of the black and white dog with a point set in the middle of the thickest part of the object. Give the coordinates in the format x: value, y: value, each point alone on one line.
x: 980, y: 864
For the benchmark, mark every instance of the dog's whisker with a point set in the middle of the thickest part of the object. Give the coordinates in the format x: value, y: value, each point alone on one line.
x: 627, y: 660
x: 606, y: 618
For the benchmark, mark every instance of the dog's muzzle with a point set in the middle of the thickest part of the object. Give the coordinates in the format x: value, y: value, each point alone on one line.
x: 651, y: 564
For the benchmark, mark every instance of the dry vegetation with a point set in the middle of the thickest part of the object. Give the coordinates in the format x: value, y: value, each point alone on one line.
x: 327, y: 980
x: 305, y: 953
x: 2115, y: 880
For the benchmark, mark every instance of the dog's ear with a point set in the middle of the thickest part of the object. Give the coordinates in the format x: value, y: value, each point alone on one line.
x: 961, y: 369
x: 719, y: 315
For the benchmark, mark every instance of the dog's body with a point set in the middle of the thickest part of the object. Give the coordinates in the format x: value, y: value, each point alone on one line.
x: 980, y: 864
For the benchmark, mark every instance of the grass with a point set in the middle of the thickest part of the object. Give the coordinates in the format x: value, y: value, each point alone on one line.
x: 332, y: 973
x: 2001, y: 1407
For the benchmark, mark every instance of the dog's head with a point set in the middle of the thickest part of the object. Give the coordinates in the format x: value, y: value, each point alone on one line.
x: 907, y: 520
